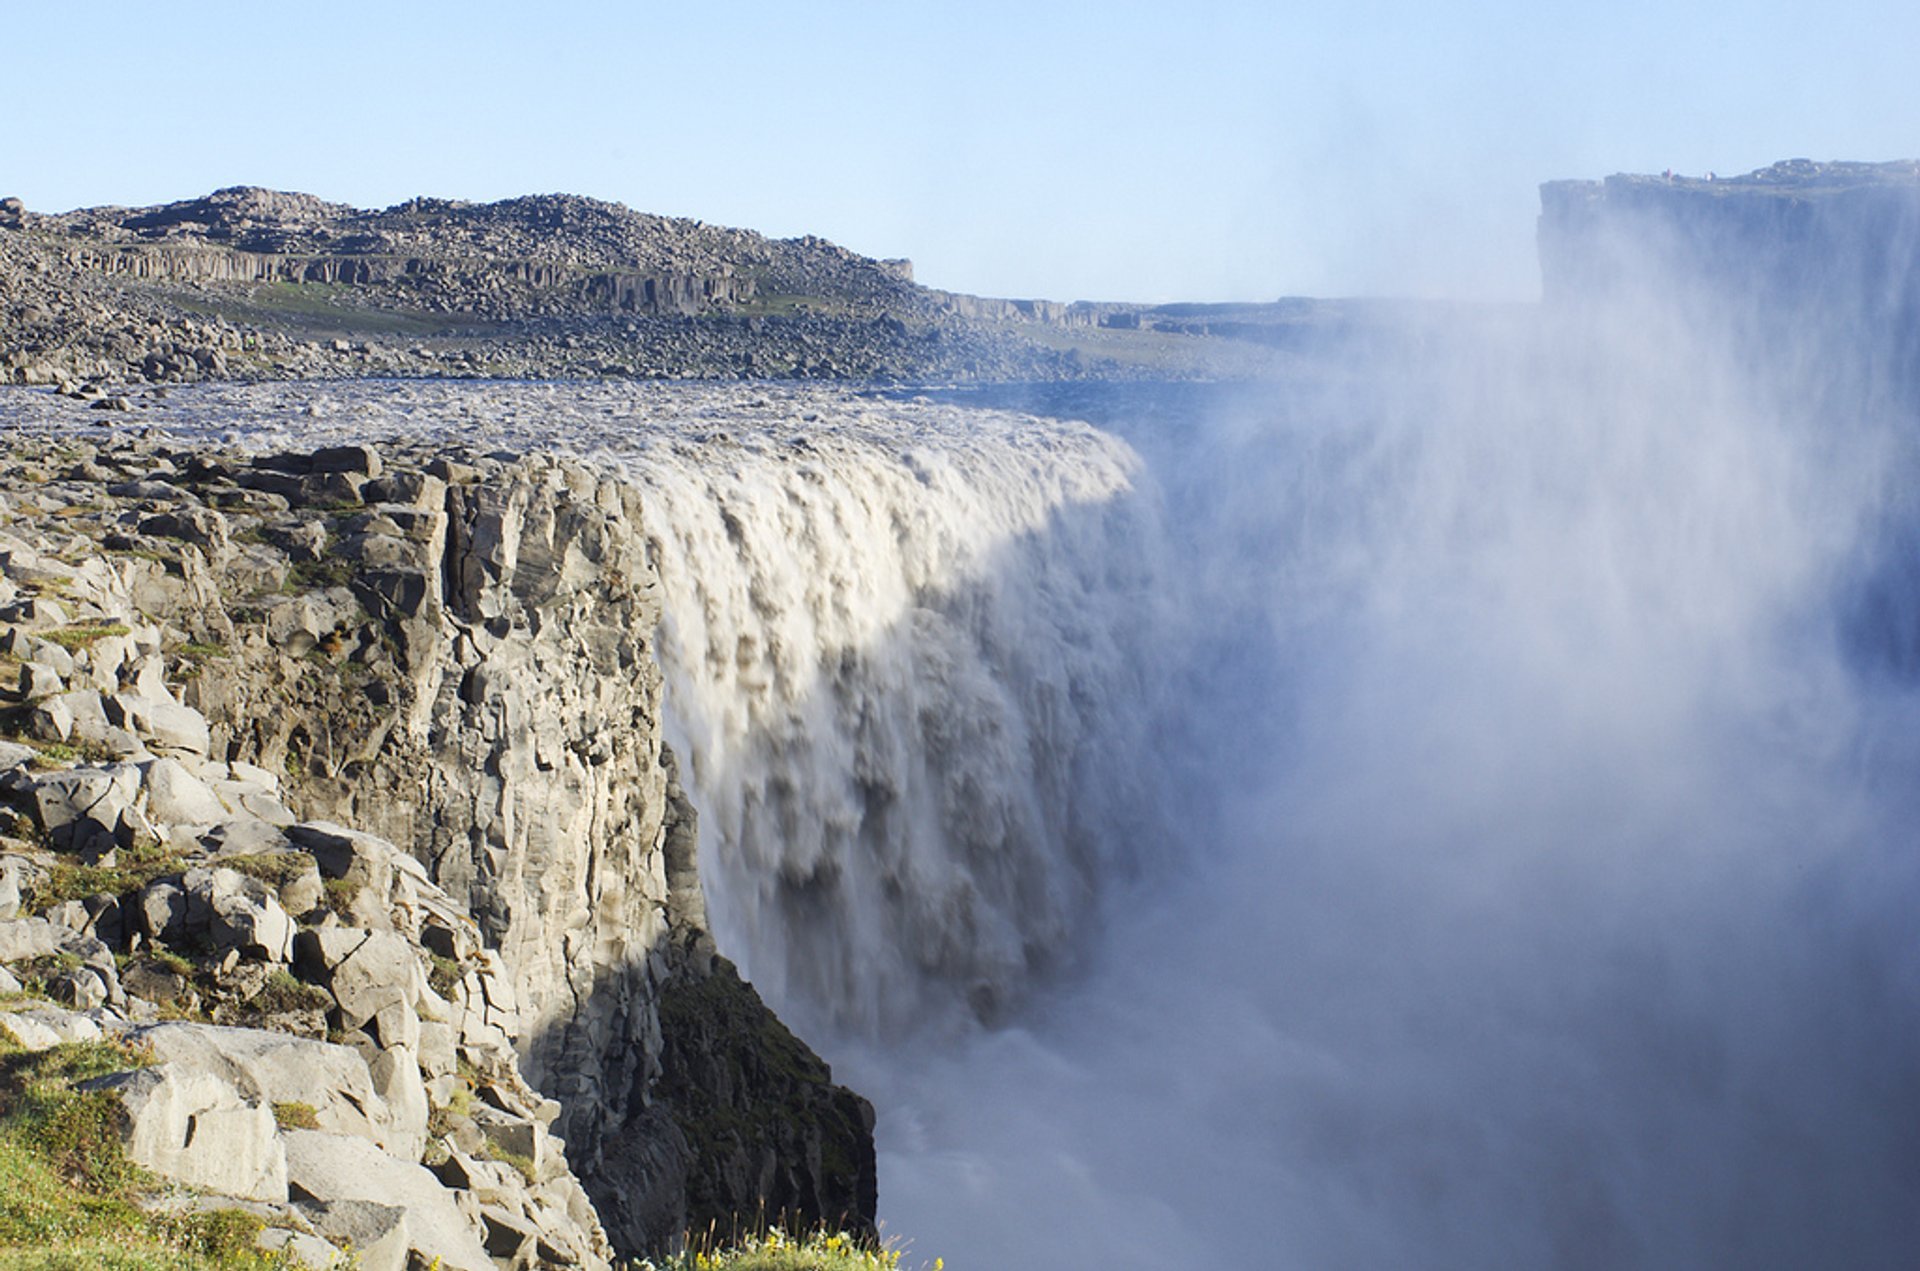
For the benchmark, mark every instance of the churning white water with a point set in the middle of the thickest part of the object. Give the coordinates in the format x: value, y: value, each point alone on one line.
x: 910, y: 656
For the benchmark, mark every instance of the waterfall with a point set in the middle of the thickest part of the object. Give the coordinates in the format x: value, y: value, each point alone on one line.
x: 908, y: 654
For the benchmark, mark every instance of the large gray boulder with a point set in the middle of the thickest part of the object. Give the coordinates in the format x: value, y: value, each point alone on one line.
x: 175, y: 796
x: 192, y: 1126
x: 236, y: 911
x: 324, y: 1169
x: 377, y: 1233
x: 160, y: 720
x: 46, y: 1027
x: 334, y: 1081
x: 366, y: 863
x: 368, y: 973
x: 19, y: 877
x: 79, y: 807
x: 22, y: 939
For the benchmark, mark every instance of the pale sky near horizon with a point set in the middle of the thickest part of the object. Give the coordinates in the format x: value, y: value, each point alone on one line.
x: 1212, y: 150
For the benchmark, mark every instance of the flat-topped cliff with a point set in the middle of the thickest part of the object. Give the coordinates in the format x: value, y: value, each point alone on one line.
x: 248, y: 283
x: 1816, y: 261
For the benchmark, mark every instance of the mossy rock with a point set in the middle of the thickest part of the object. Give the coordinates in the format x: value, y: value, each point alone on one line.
x: 745, y: 1091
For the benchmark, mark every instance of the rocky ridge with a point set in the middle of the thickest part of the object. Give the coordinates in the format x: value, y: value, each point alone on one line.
x: 258, y: 283
x: 496, y: 989
x: 246, y: 283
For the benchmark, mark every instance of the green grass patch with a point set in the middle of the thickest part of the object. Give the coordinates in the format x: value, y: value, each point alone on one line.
x: 276, y: 869
x: 317, y: 575
x: 133, y: 868
x: 85, y: 636
x: 443, y: 975
x: 285, y: 993
x: 340, y: 891
x: 775, y: 1250
x: 296, y: 1116
x: 524, y: 1164
x: 67, y: 1190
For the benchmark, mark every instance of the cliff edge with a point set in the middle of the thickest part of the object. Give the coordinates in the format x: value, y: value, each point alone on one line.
x: 218, y: 664
x: 1814, y: 267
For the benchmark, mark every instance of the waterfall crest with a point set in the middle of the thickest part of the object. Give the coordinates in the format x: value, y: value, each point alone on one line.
x: 906, y: 651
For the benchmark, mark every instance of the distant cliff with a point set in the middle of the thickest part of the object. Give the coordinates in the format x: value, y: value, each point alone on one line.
x: 1817, y: 260
x: 253, y: 283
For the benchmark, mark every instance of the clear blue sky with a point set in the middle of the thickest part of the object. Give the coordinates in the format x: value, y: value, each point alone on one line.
x: 1117, y: 150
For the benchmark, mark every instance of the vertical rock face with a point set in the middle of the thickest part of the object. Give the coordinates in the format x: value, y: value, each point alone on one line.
x: 454, y: 653
x: 1815, y: 262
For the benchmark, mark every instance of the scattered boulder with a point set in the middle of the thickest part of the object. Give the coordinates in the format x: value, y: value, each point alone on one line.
x: 81, y: 807
x: 346, y: 1097
x: 175, y: 795
x: 194, y: 1127
x: 377, y: 1233
x: 235, y: 911
x: 324, y: 1169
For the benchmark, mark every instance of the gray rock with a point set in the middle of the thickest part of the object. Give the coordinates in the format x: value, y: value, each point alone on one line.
x: 104, y: 660
x: 38, y: 610
x: 327, y: 1168
x: 83, y: 989
x: 160, y: 720
x: 64, y: 804
x: 376, y: 1233
x: 438, y: 1057
x: 363, y: 861
x: 201, y: 526
x: 194, y: 1127
x: 397, y: 1024
x: 279, y: 1068
x: 38, y: 680
x: 364, y: 460
x: 23, y: 938
x: 243, y: 835
x: 366, y: 971
x: 396, y: 1079
x: 85, y: 711
x: 52, y: 720
x: 72, y: 915
x: 176, y: 796
x: 239, y: 912
x: 161, y: 910
x: 43, y: 1028
x: 18, y: 877
x: 53, y: 655
x: 312, y: 1252
x: 515, y: 1134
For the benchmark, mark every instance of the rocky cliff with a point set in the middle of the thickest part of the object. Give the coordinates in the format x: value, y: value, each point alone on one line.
x: 221, y: 661
x: 1817, y: 264
x: 247, y: 282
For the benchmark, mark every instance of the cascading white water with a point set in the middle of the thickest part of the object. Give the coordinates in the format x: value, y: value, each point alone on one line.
x: 907, y: 657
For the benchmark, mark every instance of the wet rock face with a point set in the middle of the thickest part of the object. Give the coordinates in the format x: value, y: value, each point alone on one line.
x: 365, y: 745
